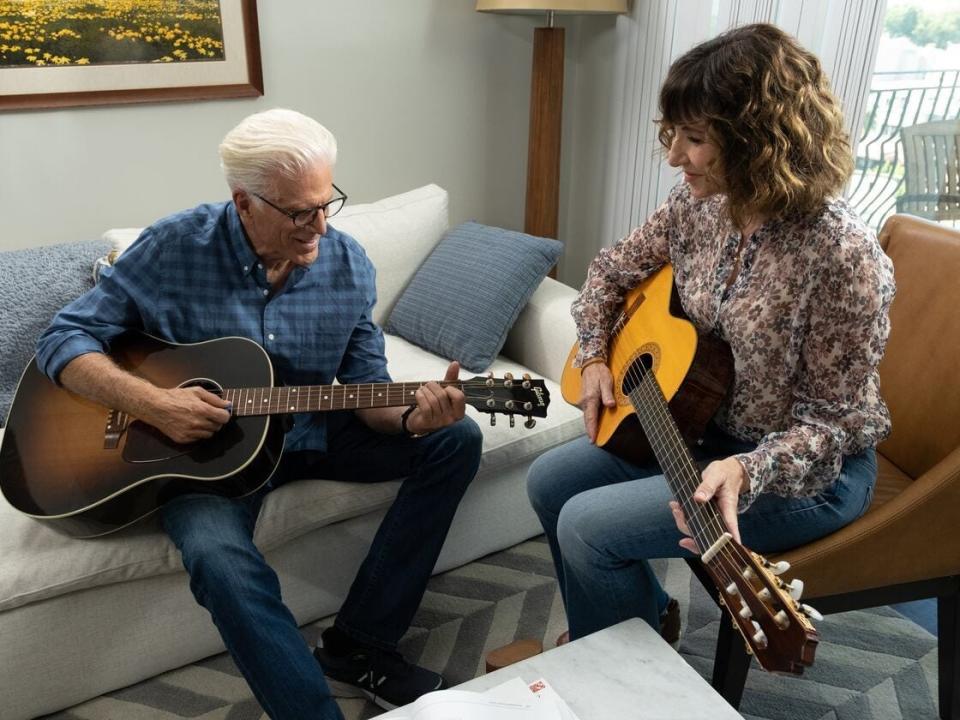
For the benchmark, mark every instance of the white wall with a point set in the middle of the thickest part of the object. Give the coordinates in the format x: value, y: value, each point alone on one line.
x: 416, y: 91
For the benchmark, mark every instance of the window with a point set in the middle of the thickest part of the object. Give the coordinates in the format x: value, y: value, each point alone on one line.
x: 908, y: 152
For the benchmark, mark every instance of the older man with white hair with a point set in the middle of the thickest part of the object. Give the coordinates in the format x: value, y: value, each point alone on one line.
x: 267, y: 266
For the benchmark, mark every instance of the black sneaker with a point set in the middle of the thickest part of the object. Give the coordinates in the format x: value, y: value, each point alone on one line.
x: 670, y: 623
x: 384, y: 677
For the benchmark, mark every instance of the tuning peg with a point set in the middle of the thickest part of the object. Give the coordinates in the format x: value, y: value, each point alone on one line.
x: 526, y: 381
x: 508, y: 379
x: 745, y: 612
x: 764, y: 595
x: 528, y: 406
x: 795, y: 588
x: 811, y: 612
x: 490, y: 403
x: 732, y: 589
x: 759, y: 637
x: 781, y: 619
x: 530, y: 423
x: 778, y: 568
x: 489, y: 381
x: 513, y: 420
x: 509, y: 404
x: 493, y: 420
x: 749, y: 574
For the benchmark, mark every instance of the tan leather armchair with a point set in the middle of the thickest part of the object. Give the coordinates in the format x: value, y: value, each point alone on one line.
x: 907, y: 546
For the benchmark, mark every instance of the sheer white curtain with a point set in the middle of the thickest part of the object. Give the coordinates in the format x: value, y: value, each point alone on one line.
x: 843, y: 33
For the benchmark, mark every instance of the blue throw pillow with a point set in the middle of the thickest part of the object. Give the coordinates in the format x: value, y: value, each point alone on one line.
x: 466, y: 296
x: 34, y: 284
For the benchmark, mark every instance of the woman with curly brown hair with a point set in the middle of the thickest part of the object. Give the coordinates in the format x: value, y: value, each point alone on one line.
x: 768, y: 257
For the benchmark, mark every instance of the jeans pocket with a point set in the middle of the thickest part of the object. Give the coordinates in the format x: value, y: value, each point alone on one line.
x: 855, y: 486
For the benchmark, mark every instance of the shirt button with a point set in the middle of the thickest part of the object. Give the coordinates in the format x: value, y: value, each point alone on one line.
x: 265, y: 292
x: 245, y: 268
x: 260, y: 265
x: 270, y: 336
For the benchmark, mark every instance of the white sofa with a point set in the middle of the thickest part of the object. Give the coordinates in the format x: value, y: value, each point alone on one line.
x: 82, y: 617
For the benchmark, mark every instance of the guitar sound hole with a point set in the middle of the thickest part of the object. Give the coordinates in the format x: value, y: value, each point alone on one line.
x: 206, y: 383
x: 636, y: 372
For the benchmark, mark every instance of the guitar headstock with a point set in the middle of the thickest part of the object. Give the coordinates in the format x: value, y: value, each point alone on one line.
x: 766, y: 610
x: 526, y: 397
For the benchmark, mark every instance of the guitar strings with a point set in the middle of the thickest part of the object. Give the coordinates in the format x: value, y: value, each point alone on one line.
x: 275, y: 399
x: 625, y: 359
x: 663, y: 425
x: 660, y: 421
x: 657, y: 403
x: 730, y: 551
x: 692, y: 512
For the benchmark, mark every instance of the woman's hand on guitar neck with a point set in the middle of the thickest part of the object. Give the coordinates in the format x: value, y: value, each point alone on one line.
x: 723, y: 481
x: 596, y: 385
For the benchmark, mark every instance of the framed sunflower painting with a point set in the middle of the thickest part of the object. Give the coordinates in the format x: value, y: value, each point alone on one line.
x: 61, y: 53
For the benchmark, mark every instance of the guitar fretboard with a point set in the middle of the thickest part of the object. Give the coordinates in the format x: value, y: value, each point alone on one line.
x: 679, y: 467
x: 320, y: 398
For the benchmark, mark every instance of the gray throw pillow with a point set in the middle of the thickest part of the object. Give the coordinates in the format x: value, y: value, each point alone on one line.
x: 34, y: 284
x: 463, y: 300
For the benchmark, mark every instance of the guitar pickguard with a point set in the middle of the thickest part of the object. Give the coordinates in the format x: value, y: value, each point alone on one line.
x: 145, y: 444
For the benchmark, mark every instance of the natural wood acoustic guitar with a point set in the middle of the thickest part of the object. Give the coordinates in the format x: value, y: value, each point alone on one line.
x: 88, y: 470
x: 669, y: 381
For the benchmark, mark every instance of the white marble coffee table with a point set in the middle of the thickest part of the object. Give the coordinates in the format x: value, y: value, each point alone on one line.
x: 625, y: 671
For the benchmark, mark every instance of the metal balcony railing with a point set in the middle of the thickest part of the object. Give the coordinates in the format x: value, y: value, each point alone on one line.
x: 896, y: 100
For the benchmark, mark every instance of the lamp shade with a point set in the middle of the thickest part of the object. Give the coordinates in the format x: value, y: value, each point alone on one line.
x: 558, y: 6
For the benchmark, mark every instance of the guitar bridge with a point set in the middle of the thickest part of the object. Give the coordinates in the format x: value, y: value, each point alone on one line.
x: 116, y: 424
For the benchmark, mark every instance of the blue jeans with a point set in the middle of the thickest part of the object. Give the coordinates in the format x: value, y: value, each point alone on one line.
x: 605, y: 518
x: 231, y: 579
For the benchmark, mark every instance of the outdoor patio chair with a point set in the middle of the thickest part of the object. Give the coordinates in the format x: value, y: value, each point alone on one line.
x: 931, y: 174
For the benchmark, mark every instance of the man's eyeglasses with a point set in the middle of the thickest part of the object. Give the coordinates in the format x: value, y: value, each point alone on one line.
x: 302, y: 218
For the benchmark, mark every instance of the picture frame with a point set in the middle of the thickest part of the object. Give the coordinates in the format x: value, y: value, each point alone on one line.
x: 236, y: 72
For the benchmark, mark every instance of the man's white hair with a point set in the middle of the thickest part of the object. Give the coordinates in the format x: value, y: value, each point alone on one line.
x: 271, y: 143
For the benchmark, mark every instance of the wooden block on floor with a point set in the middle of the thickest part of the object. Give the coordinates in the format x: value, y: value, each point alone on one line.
x: 513, y: 653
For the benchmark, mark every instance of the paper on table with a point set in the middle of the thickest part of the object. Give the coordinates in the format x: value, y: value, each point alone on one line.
x: 517, y: 690
x: 543, y: 690
x: 465, y: 705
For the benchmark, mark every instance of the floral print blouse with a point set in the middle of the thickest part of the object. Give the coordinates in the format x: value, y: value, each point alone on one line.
x: 806, y: 318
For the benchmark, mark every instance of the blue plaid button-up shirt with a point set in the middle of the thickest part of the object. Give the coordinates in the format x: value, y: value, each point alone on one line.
x: 193, y: 276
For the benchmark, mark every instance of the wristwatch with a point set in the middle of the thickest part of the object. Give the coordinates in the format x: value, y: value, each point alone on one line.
x: 403, y: 424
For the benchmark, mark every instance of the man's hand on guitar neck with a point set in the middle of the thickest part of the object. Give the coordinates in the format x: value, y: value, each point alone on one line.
x: 723, y: 481
x: 596, y: 384
x: 436, y: 407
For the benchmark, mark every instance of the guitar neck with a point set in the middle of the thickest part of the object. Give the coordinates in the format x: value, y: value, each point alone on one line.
x: 322, y: 398
x: 677, y: 463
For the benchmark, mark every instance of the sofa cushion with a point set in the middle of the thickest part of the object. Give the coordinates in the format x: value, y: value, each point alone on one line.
x: 36, y: 562
x: 466, y: 296
x: 397, y: 233
x: 34, y: 284
x: 502, y: 445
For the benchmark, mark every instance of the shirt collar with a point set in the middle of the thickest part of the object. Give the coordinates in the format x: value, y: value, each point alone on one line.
x: 237, y: 238
x: 246, y: 257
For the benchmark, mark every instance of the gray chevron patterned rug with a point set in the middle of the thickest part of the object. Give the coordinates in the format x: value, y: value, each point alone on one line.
x: 870, y: 665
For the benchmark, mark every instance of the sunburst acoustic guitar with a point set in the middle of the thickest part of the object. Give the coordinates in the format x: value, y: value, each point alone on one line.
x: 88, y: 470
x: 669, y: 381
